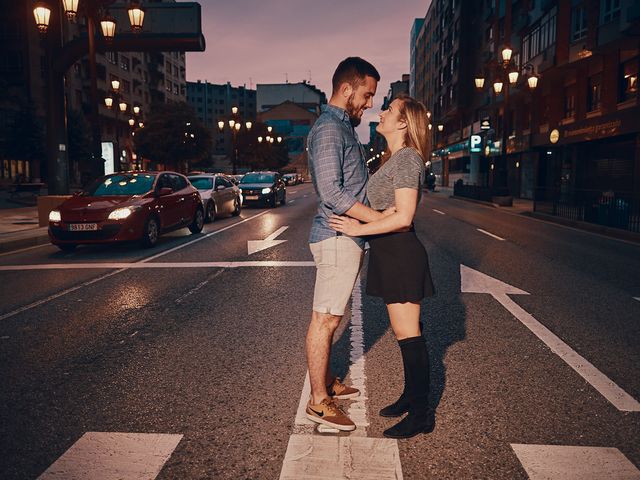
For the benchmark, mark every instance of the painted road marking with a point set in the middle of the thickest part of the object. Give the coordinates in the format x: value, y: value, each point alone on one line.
x: 254, y: 246
x: 490, y: 234
x: 139, y: 265
x: 473, y: 281
x: 95, y: 280
x: 438, y: 211
x: 311, y: 456
x: 636, y: 298
x: 317, y: 457
x: 113, y: 456
x: 358, y: 408
x: 26, y: 249
x: 560, y: 462
x: 291, y: 201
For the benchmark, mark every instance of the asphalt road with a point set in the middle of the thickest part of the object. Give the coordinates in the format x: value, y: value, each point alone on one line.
x: 215, y: 353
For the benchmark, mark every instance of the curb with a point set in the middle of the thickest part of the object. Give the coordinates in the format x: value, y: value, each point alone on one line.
x: 473, y: 200
x: 24, y: 242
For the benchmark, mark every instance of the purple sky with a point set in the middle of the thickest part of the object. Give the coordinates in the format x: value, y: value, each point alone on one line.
x: 258, y: 41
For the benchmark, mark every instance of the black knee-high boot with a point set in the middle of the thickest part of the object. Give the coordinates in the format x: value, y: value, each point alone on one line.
x: 420, y: 418
x: 400, y: 406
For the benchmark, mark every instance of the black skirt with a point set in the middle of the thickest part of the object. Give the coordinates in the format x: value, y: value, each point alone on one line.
x: 398, y: 268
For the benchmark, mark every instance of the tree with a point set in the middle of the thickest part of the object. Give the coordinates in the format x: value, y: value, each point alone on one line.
x: 23, y: 137
x: 79, y: 138
x: 261, y: 155
x: 173, y: 136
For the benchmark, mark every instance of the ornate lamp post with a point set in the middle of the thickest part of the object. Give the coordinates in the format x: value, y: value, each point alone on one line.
x: 505, y: 78
x: 121, y: 108
x: 47, y: 15
x: 235, y: 125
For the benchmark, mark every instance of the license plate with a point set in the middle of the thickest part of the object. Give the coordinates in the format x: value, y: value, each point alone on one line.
x: 81, y: 227
x: 251, y: 197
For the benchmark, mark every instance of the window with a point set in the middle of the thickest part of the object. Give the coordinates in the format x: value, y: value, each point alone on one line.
x: 540, y: 38
x: 168, y: 86
x: 610, y: 10
x: 628, y: 80
x: 570, y: 101
x: 124, y: 63
x: 126, y: 86
x: 111, y: 57
x: 595, y: 93
x: 578, y: 23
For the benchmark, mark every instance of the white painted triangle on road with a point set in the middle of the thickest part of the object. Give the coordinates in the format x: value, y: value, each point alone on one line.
x: 254, y: 246
x: 473, y: 281
x: 114, y: 456
x: 563, y: 462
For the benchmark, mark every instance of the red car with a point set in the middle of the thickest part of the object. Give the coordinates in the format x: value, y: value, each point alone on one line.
x: 127, y: 206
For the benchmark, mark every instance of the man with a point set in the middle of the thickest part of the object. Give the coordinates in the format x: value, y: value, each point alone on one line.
x: 339, y: 172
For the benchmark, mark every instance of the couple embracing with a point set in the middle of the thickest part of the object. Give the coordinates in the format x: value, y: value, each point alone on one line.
x: 354, y: 209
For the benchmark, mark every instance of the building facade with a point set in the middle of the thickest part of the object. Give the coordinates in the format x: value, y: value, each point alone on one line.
x: 144, y: 78
x: 575, y: 136
x: 303, y: 94
x: 213, y: 103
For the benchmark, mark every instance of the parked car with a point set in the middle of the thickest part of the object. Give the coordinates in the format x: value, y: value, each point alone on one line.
x: 219, y: 195
x: 263, y: 187
x: 127, y: 206
x: 290, y: 179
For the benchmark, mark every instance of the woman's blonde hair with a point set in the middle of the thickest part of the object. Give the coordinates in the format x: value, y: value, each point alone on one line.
x: 414, y: 114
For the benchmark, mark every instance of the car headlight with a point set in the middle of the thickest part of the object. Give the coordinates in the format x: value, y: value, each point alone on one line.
x: 54, y: 216
x: 266, y: 190
x: 121, y: 213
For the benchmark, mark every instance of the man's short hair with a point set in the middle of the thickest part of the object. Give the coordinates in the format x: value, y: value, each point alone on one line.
x: 353, y: 71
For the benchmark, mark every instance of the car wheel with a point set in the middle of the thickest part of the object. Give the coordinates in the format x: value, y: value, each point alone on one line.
x: 198, y: 221
x: 212, y: 211
x: 284, y: 198
x: 151, y: 232
x: 236, y: 207
x: 67, y: 247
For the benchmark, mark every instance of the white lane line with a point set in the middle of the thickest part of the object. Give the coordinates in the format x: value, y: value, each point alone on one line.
x: 438, y: 211
x: 490, y: 234
x: 113, y: 456
x: 472, y: 281
x: 291, y: 201
x: 139, y: 265
x: 95, y: 280
x: 563, y: 462
x: 598, y: 380
x: 315, y: 457
x: 318, y: 456
x: 203, y: 237
x: 358, y: 408
x: 636, y: 298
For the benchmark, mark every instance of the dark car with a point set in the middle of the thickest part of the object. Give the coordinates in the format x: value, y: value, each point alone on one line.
x: 263, y: 187
x: 290, y: 178
x: 127, y: 206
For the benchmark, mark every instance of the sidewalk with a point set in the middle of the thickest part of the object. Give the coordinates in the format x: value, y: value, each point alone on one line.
x: 525, y: 207
x: 19, y: 228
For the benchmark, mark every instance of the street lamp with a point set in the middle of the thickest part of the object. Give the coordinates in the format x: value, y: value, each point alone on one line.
x: 509, y: 72
x: 122, y: 108
x: 70, y: 9
x: 136, y: 16
x: 235, y: 125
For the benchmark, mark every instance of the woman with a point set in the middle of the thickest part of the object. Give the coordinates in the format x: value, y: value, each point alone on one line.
x: 398, y: 264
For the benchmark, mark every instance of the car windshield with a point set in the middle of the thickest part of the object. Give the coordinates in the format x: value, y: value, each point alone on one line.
x: 257, y: 178
x: 121, y: 184
x: 202, y: 183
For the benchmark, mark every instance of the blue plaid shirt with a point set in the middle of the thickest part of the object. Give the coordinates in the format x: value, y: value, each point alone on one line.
x: 338, y: 169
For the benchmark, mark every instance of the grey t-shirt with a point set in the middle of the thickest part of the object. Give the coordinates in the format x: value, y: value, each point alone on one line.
x: 404, y: 169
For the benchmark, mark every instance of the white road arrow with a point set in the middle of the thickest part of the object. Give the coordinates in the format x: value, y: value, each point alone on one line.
x: 473, y: 281
x: 254, y: 246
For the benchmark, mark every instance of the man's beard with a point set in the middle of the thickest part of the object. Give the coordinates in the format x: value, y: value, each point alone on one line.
x: 353, y: 112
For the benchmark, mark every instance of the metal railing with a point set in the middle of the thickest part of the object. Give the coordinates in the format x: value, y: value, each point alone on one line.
x: 617, y: 209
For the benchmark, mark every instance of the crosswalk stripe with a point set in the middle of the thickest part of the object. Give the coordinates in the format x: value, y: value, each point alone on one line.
x: 563, y: 462
x: 114, y: 456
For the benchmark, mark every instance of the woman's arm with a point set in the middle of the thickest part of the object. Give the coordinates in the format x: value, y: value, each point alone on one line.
x: 406, y: 203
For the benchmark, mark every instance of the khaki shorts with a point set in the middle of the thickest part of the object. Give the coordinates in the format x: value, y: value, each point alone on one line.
x: 338, y: 261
